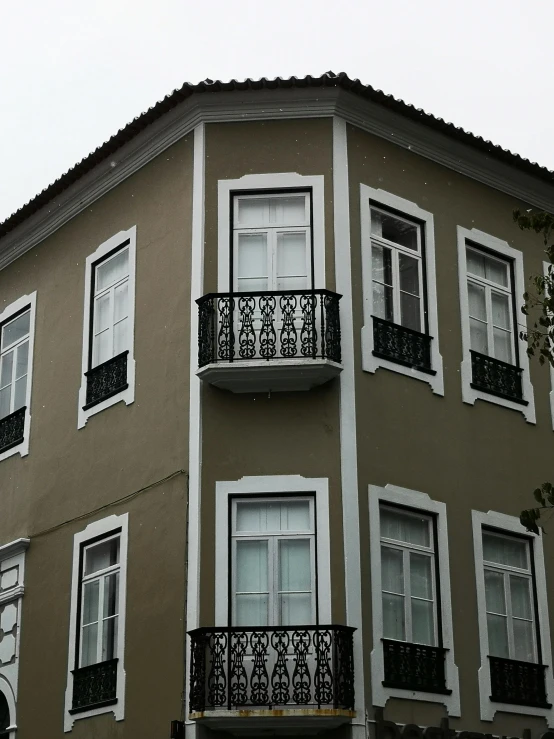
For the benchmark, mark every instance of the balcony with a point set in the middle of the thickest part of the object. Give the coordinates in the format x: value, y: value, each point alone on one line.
x: 269, y: 341
x: 106, y: 380
x: 402, y: 345
x: 12, y: 429
x: 278, y: 678
x: 94, y: 686
x: 496, y: 377
x: 414, y: 667
x: 519, y: 683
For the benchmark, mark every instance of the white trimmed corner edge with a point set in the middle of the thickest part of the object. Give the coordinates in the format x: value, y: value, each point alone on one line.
x: 510, y: 524
x: 10, y: 310
x: 421, y: 501
x: 98, y: 528
x: 263, y: 485
x: 127, y: 395
x: 470, y: 394
x: 370, y: 362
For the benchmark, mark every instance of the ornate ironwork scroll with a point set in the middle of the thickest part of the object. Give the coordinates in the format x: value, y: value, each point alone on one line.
x: 206, y: 331
x: 414, y: 666
x: 239, y: 678
x: 323, y: 680
x: 308, y: 331
x: 94, y: 685
x: 106, y: 380
x: 301, y: 679
x: 217, y: 680
x: 259, y: 680
x: 268, y: 335
x: 225, y: 336
x: 198, y: 645
x: 288, y: 335
x: 12, y: 429
x: 280, y: 679
x: 521, y: 683
x: 402, y: 345
x: 332, y: 328
x: 496, y: 377
x: 247, y: 335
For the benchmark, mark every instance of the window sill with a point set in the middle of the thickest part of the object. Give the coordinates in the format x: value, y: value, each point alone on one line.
x: 92, y: 706
x: 415, y: 689
x: 487, y: 391
x: 523, y: 705
x: 395, y: 360
x: 109, y: 395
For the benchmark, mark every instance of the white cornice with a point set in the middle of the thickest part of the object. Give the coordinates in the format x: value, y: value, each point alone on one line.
x: 14, y: 547
x: 264, y: 105
x: 10, y: 595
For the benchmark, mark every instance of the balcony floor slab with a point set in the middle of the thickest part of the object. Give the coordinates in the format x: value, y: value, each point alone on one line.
x: 274, y: 722
x: 275, y: 375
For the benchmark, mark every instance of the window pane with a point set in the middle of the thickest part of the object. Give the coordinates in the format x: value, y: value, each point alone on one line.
x: 382, y: 302
x: 289, y: 211
x: 251, y: 285
x: 102, y: 348
x: 405, y: 527
x: 251, y: 610
x: 410, y: 309
x: 498, y: 636
x: 6, y: 372
x: 475, y: 263
x: 496, y: 271
x: 420, y: 576
x: 249, y: 516
x: 409, y: 274
x: 494, y: 592
x: 392, y: 570
x: 477, y: 303
x: 500, y: 310
x: 121, y: 297
x: 113, y: 270
x: 393, y: 617
x: 253, y: 211
x: 109, y: 638
x: 16, y: 329
x: 5, y: 398
x: 394, y: 229
x: 120, y: 337
x: 89, y: 646
x: 502, y: 345
x: 295, y: 565
x: 293, y: 515
x: 91, y: 594
x: 381, y: 264
x: 252, y: 257
x: 102, y: 313
x: 22, y: 361
x: 479, y: 336
x: 524, y: 648
x: 111, y: 595
x: 20, y: 395
x: 102, y: 555
x: 506, y: 551
x: 423, y: 627
x: 291, y: 255
x: 251, y: 565
x: 521, y: 597
x: 295, y: 609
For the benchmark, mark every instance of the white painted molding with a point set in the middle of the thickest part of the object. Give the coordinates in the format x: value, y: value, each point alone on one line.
x: 469, y: 394
x: 26, y: 301
x: 279, y: 181
x: 263, y: 485
x: 347, y: 416
x: 127, y: 395
x: 13, y: 548
x: 510, y: 524
x: 421, y: 501
x: 103, y: 527
x: 370, y: 362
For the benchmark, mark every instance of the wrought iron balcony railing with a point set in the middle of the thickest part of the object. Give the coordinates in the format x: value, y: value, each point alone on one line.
x: 94, y: 686
x: 496, y: 377
x: 414, y: 667
x: 271, y: 667
x: 521, y: 683
x: 12, y: 429
x: 106, y: 380
x: 402, y: 345
x: 268, y: 325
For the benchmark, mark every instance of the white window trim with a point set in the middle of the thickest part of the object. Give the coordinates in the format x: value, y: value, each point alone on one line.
x: 510, y: 524
x: 98, y: 528
x: 371, y: 363
x: 280, y: 181
x: 127, y: 395
x: 19, y: 305
x: 285, y: 485
x: 420, y: 501
x: 469, y: 394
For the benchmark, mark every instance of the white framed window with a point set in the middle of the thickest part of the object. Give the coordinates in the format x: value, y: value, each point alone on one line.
x: 512, y: 610
x: 411, y: 602
x: 108, y: 364
x: 273, y: 561
x: 400, y: 331
x: 17, y: 331
x: 495, y: 364
x: 96, y: 671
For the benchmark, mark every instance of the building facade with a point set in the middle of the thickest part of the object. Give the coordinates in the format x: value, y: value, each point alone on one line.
x: 266, y: 426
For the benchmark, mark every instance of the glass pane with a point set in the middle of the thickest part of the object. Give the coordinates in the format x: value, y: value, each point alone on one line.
x: 102, y: 555
x: 420, y: 576
x: 291, y: 255
x: 251, y: 610
x: 260, y: 517
x: 475, y: 263
x: 102, y: 313
x: 393, y: 617
x: 5, y: 398
x: 288, y: 211
x: 112, y: 270
x: 20, y: 397
x: 89, y: 645
x: 521, y: 597
x: 292, y: 283
x: 102, y: 348
x: 506, y: 551
x: 109, y: 638
x: 479, y: 336
x: 295, y: 565
x: 423, y: 627
x: 249, y: 516
x: 502, y: 345
x: 253, y: 211
x: 252, y: 255
x: 91, y: 594
x: 392, y: 570
x: 22, y: 361
x: 121, y: 295
x: 120, y: 337
x: 524, y: 646
x: 382, y: 302
x: 111, y: 595
x: 251, y: 285
x: 498, y: 636
x: 295, y: 516
x: 16, y: 329
x: 7, y: 369
x: 477, y: 302
x: 409, y: 274
x: 295, y: 609
x: 494, y: 592
x: 410, y: 310
x: 413, y: 529
x: 381, y: 264
x: 251, y: 565
x: 394, y: 229
x: 496, y: 271
x: 500, y: 310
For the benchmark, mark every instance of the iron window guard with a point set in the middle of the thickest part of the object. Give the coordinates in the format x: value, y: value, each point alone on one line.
x: 12, y: 429
x: 519, y: 683
x: 496, y: 377
x: 94, y: 686
x: 106, y: 380
x: 414, y: 667
x: 402, y: 345
x: 268, y: 324
x: 268, y: 666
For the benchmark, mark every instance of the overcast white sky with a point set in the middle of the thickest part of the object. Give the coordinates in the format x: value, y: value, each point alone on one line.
x: 73, y: 72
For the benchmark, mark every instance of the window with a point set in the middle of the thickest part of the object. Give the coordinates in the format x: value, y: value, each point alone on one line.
x: 400, y: 314
x: 96, y: 675
x: 108, y: 363
x: 273, y: 572
x: 413, y: 652
x: 513, y: 617
x: 4, y: 717
x: 495, y: 365
x: 16, y: 351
